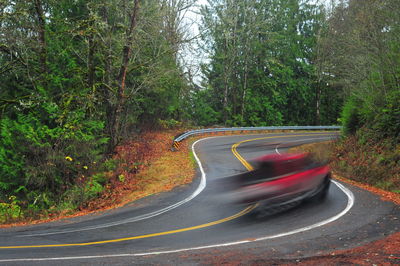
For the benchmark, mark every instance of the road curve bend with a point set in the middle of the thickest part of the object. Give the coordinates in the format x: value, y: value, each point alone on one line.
x: 194, y: 224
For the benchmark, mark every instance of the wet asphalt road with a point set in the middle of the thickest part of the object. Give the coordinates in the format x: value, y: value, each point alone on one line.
x: 208, y: 223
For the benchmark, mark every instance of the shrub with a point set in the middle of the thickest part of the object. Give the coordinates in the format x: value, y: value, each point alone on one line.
x: 350, y: 118
x: 387, y: 122
x: 46, y: 156
x: 169, y: 124
x: 10, y: 211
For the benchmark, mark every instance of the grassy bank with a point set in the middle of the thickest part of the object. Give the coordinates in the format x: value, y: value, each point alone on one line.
x: 375, y: 164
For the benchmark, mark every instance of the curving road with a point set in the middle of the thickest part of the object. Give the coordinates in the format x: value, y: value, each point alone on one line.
x: 195, y: 224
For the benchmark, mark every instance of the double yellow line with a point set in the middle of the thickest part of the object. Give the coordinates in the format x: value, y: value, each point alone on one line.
x: 245, y: 163
x: 239, y: 157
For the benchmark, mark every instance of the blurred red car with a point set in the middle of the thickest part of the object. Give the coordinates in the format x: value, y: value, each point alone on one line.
x: 282, y: 180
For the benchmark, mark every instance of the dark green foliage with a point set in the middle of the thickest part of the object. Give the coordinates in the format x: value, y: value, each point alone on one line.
x: 201, y: 109
x: 351, y: 118
x: 36, y: 157
x: 59, y: 68
x: 360, y: 54
x: 387, y: 121
x: 63, y: 107
x: 262, y: 69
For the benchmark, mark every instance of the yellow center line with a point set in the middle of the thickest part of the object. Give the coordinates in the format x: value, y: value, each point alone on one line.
x: 243, y: 212
x: 239, y: 214
x: 245, y: 163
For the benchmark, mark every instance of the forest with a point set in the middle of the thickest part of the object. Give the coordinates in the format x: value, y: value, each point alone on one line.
x: 78, y: 78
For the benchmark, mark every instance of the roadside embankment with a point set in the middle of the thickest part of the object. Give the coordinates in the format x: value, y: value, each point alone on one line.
x: 140, y: 167
x: 371, y: 167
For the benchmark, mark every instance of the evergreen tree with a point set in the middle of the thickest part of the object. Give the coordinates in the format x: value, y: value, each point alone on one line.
x: 262, y: 69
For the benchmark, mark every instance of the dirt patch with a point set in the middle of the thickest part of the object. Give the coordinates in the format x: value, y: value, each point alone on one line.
x: 382, y: 252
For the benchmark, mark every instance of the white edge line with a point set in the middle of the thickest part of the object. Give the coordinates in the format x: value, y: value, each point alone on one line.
x: 198, y: 190
x: 350, y: 203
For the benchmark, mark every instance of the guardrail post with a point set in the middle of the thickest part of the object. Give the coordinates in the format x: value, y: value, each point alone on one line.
x: 175, y: 145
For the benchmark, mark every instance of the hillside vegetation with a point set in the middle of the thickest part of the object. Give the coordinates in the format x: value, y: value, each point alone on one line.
x: 361, y: 53
x: 82, y: 79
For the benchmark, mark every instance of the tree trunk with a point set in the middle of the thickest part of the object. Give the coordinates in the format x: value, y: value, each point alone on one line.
x: 121, y: 97
x: 318, y: 103
x: 91, y: 66
x: 244, y: 92
x: 107, y: 95
x: 42, y: 36
x: 225, y: 101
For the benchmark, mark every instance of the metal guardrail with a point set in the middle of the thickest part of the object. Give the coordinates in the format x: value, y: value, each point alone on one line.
x: 178, y: 139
